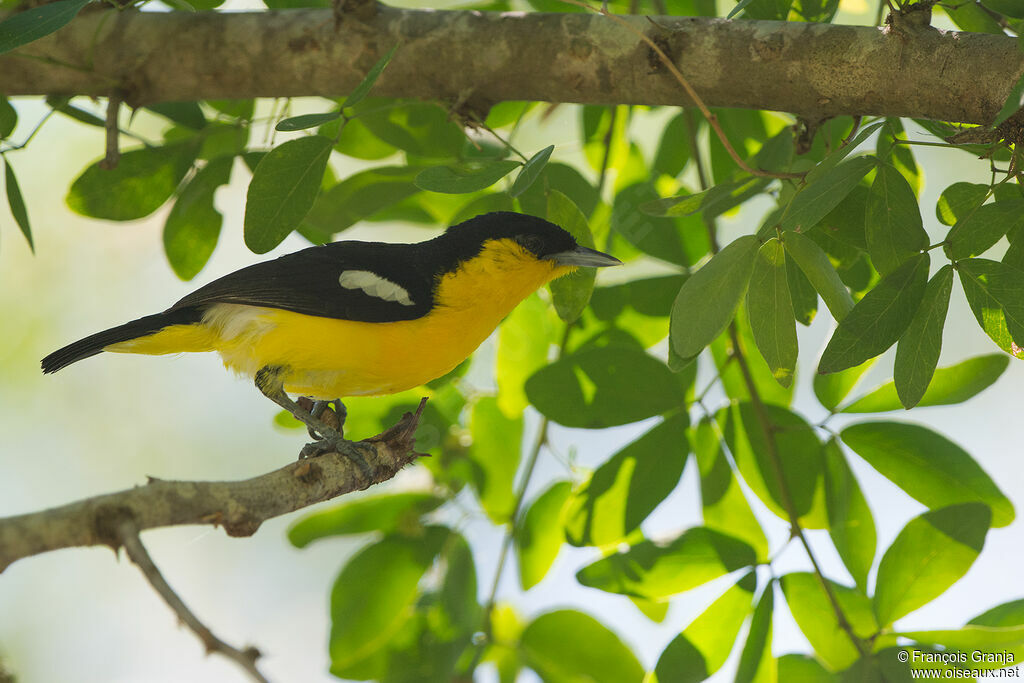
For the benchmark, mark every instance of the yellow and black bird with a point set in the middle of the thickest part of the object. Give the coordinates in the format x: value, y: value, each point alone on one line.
x: 356, y: 318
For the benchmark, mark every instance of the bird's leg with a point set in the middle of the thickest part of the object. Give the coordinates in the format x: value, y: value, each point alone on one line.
x: 270, y: 384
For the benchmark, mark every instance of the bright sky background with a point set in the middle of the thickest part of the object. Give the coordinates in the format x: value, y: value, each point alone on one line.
x: 105, y: 424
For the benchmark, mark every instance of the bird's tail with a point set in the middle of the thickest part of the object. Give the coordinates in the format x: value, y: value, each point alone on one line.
x: 96, y: 343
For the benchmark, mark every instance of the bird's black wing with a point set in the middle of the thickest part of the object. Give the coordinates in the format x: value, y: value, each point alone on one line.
x: 308, y: 281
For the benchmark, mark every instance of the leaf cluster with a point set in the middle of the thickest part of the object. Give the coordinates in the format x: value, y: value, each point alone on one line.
x: 841, y: 225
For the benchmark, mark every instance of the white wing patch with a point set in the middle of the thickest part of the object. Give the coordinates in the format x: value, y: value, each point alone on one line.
x: 375, y: 285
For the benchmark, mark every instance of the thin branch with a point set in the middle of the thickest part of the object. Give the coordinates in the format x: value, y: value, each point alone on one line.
x: 113, y: 151
x: 690, y: 92
x: 238, y: 506
x: 602, y: 174
x: 127, y: 533
x: 768, y: 430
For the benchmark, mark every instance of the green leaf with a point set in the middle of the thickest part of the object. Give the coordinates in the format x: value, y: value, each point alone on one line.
x: 571, y: 293
x: 373, y: 593
x: 1011, y: 8
x: 850, y: 523
x: 8, y: 118
x: 531, y: 171
x: 682, y: 241
x: 802, y: 293
x: 893, y: 226
x: 568, y: 646
x: 833, y: 388
x: 193, y: 225
x: 223, y: 139
x: 306, y: 121
x: 756, y: 662
x: 832, y: 160
x: 979, y: 230
x: 360, y: 196
x: 803, y: 669
x: 187, y: 114
x: 984, y: 647
x: 995, y: 293
x: 711, y: 202
x: 798, y: 451
x: 142, y: 181
x: 495, y: 455
x: 538, y: 538
x: 602, y: 387
x: 524, y: 339
x: 879, y: 319
x: 674, y: 148
x: 625, y: 489
x: 929, y: 555
x: 970, y: 16
x: 17, y: 204
x: 927, y: 466
x: 814, y: 614
x: 459, y: 603
x: 951, y: 385
x: 652, y: 571
x: 236, y: 109
x: 354, y: 139
x: 704, y: 645
x: 958, y: 201
x: 32, y: 24
x: 917, y: 352
x: 820, y: 196
x: 707, y: 300
x: 382, y: 513
x: 770, y: 311
x: 1015, y: 99
x: 465, y: 178
x: 363, y: 89
x: 564, y: 178
x: 1008, y: 614
x: 283, y: 189
x: 723, y: 502
x: 420, y: 128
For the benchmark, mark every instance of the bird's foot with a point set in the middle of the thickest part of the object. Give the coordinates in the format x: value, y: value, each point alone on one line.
x: 350, y: 449
x: 331, y: 413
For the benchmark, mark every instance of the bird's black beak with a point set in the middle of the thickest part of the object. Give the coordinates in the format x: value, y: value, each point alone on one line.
x: 585, y: 257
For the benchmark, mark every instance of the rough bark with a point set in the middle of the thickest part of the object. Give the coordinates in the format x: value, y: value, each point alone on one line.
x: 238, y: 506
x: 480, y: 58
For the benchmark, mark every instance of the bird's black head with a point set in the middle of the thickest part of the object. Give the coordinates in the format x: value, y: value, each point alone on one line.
x: 540, y: 238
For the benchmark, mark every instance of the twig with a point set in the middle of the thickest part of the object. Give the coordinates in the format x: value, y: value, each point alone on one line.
x: 691, y: 93
x: 768, y: 431
x: 113, y: 151
x: 602, y: 175
x: 238, y: 506
x: 506, y: 543
x: 127, y: 533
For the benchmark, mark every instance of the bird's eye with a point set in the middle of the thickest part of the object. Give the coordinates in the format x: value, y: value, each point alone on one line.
x: 531, y: 242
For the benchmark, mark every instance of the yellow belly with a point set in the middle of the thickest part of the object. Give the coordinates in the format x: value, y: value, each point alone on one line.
x: 330, y: 358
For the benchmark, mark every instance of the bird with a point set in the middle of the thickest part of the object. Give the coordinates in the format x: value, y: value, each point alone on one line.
x: 355, y: 318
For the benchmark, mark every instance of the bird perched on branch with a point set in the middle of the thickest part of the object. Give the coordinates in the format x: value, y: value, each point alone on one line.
x: 356, y: 318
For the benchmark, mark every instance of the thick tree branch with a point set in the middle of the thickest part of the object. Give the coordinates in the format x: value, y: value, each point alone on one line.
x: 480, y: 58
x: 238, y: 506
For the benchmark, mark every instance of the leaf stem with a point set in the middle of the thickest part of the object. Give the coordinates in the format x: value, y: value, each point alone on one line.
x: 690, y: 92
x: 768, y: 429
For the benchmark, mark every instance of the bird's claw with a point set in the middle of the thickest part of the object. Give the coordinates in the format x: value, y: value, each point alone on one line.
x: 337, y: 444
